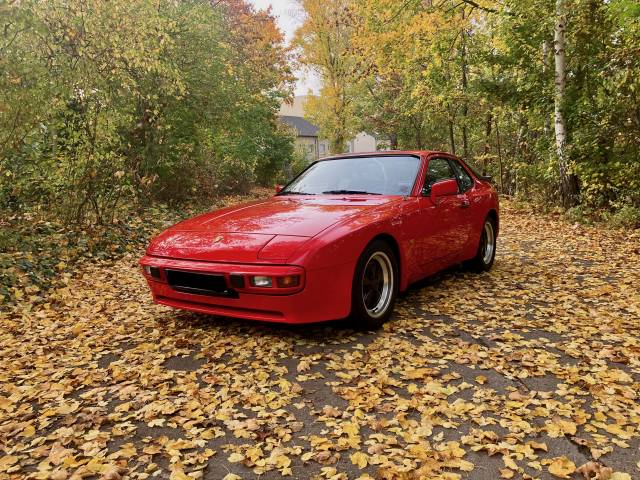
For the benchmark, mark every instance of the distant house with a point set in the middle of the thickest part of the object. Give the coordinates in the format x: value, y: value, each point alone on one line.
x: 308, y: 141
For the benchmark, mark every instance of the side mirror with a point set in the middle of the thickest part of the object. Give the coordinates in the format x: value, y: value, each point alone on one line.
x: 443, y: 188
x: 279, y: 188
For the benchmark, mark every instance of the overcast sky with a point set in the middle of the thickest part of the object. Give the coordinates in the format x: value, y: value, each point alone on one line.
x: 290, y: 15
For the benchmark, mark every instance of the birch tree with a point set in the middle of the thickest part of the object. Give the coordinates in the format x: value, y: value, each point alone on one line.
x: 568, y: 184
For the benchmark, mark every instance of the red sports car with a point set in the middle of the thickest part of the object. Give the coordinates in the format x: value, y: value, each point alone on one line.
x: 341, y: 239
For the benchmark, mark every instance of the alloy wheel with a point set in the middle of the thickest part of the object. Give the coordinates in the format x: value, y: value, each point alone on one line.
x: 377, y: 284
x: 488, y: 243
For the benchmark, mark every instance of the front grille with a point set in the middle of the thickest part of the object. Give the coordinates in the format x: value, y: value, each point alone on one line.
x: 199, y: 283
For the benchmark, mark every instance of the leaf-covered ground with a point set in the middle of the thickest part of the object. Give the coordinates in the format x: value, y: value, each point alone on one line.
x: 530, y: 371
x: 38, y: 253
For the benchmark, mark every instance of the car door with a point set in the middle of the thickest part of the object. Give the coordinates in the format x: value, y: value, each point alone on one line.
x: 466, y: 207
x: 439, y: 220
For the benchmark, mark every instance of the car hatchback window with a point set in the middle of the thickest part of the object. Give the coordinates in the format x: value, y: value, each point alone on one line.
x: 376, y: 175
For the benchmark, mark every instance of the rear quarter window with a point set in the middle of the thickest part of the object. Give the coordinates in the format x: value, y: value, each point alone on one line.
x: 465, y: 182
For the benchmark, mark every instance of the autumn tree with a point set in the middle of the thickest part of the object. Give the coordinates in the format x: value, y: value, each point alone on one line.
x: 107, y: 104
x: 325, y: 39
x: 487, y: 80
x: 568, y: 183
x: 426, y: 86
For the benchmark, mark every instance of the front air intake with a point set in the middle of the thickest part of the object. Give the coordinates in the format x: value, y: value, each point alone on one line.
x: 199, y: 283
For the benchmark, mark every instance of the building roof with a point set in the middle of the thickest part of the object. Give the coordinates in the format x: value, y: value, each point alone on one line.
x: 302, y: 126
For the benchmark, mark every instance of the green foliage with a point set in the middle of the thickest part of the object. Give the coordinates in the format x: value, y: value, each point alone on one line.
x: 36, y: 253
x: 627, y: 216
x: 111, y: 103
x: 581, y: 214
x: 325, y: 39
x: 293, y: 167
x: 477, y: 79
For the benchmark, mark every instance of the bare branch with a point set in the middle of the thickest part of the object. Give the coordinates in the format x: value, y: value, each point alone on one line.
x: 474, y: 4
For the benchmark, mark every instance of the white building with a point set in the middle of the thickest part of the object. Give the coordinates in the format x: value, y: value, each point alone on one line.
x: 308, y: 140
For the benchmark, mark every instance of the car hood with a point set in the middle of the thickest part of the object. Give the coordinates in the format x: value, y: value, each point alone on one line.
x: 269, y: 230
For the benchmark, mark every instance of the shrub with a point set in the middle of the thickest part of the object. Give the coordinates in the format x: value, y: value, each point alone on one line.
x: 184, y: 103
x: 627, y: 216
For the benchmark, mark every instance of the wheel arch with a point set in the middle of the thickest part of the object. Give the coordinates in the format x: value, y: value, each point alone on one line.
x: 395, y: 246
x: 493, y: 214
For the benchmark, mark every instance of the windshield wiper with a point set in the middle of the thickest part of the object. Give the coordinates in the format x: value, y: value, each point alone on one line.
x: 349, y: 192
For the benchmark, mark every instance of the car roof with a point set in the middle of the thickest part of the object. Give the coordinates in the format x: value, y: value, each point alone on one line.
x: 387, y: 153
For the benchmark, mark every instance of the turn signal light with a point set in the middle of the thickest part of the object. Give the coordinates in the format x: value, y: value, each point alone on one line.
x: 288, y: 281
x: 285, y: 281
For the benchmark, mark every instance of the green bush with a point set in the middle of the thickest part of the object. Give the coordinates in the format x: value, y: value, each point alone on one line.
x: 296, y: 165
x: 581, y: 214
x: 627, y: 216
x: 118, y: 103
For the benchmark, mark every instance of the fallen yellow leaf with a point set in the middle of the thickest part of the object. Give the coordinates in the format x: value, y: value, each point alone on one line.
x: 562, y: 467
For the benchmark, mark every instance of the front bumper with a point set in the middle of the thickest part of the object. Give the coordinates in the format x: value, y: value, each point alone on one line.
x: 325, y: 294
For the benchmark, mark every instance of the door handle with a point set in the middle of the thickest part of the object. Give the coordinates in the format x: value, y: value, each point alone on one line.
x: 465, y: 203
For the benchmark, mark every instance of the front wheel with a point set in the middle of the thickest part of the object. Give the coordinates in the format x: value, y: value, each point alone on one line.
x: 483, y: 261
x: 375, y: 286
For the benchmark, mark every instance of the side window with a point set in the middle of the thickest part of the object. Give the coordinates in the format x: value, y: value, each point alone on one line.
x: 465, y: 182
x: 439, y: 169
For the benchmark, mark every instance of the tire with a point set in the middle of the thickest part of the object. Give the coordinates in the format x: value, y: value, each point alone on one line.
x: 375, y: 286
x: 486, y: 254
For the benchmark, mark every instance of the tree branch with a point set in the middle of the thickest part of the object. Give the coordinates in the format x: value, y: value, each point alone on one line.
x: 486, y: 9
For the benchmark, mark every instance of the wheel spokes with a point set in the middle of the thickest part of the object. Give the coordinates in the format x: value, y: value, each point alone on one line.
x: 373, y: 284
x: 377, y: 284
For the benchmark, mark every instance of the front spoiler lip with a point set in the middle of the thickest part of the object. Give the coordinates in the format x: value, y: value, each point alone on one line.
x: 244, y: 313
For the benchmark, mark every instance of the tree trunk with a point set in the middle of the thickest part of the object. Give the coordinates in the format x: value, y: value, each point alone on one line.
x: 546, y: 48
x: 465, y: 104
x: 568, y: 182
x: 452, y: 138
x: 393, y: 141
x: 487, y: 142
x: 418, y: 129
x: 522, y: 139
x: 337, y: 144
x: 499, y: 147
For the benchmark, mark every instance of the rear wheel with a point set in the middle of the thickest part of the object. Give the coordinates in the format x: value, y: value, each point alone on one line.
x: 375, y: 286
x: 483, y: 261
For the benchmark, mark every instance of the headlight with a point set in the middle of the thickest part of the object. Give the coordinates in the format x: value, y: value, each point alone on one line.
x: 261, y: 281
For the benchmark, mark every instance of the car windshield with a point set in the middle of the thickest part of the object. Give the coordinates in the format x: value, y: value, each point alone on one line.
x: 377, y: 175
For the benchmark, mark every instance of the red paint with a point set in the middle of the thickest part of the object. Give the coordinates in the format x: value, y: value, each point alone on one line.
x: 320, y: 238
x: 443, y: 188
